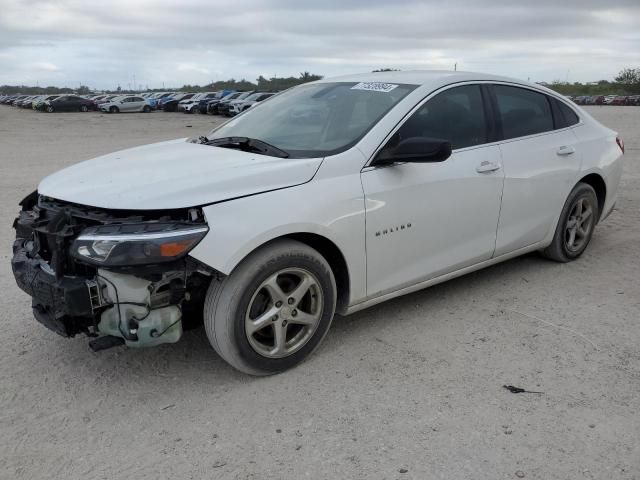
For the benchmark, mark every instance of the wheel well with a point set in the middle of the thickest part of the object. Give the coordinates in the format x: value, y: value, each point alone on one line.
x: 597, y: 182
x: 336, y: 260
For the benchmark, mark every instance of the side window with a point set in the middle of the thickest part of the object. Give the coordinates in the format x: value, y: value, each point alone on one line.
x: 523, y: 112
x: 570, y: 117
x: 456, y: 115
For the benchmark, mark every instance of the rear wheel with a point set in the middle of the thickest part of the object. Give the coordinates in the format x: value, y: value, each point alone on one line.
x: 84, y: 108
x: 146, y: 109
x: 575, y: 226
x: 273, y: 310
x: 50, y: 108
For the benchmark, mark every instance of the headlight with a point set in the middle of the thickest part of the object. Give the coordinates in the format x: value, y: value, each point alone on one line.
x: 143, y: 244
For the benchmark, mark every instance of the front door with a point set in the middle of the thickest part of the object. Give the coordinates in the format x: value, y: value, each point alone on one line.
x: 427, y: 219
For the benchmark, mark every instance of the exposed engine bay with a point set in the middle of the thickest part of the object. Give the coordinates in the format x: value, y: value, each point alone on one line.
x: 122, y: 277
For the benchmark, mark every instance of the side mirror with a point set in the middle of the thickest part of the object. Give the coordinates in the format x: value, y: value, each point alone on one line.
x: 415, y: 149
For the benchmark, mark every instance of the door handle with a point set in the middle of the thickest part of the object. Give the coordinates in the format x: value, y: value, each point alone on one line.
x: 565, y: 150
x: 487, y: 167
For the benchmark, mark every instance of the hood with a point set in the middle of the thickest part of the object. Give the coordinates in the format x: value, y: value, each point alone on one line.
x: 174, y: 174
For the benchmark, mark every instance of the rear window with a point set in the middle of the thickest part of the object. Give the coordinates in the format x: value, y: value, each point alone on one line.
x: 523, y: 112
x: 570, y: 117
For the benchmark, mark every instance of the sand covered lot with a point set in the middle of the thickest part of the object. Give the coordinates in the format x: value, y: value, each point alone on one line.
x: 410, y: 389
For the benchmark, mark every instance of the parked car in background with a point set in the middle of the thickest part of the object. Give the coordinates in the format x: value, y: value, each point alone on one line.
x: 204, y: 102
x: 192, y: 105
x: 188, y: 101
x: 98, y: 98
x: 223, y: 106
x: 620, y: 100
x: 17, y: 99
x: 8, y: 99
x: 69, y: 103
x: 168, y: 98
x: 25, y: 102
x: 126, y: 104
x: 40, y: 103
x: 106, y: 99
x: 171, y: 105
x: 212, y: 105
x: 156, y: 97
x: 634, y: 100
x: 239, y: 106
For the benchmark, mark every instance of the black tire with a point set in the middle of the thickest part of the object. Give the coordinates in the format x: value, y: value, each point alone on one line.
x: 146, y: 109
x: 113, y: 110
x: 84, y: 108
x: 50, y: 108
x: 228, y: 301
x: 563, y: 248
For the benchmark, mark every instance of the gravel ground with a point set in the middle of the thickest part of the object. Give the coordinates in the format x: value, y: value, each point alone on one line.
x: 411, y: 389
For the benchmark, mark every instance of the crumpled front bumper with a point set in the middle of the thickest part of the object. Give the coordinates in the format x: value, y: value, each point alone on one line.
x: 60, y: 304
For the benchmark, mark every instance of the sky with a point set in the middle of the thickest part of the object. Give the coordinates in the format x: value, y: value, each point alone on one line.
x: 169, y: 43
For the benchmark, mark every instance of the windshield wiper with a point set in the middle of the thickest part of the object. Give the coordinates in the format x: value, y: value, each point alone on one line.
x: 247, y: 144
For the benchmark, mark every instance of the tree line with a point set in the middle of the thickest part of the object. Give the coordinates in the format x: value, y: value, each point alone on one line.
x: 261, y: 83
x: 627, y: 82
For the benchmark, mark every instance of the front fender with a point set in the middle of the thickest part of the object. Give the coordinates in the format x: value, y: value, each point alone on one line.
x: 332, y: 208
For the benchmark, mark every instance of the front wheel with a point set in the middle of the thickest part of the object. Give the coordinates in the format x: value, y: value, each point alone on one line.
x: 113, y: 110
x: 273, y: 310
x: 84, y: 108
x: 146, y: 109
x: 50, y: 108
x: 575, y: 226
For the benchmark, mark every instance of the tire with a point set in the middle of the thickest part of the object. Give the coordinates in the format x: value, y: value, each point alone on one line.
x: 113, y: 110
x: 50, y: 108
x: 146, y: 109
x: 575, y: 217
x: 84, y: 108
x: 239, y: 302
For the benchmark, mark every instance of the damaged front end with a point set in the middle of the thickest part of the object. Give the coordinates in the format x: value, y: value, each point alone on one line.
x: 123, y: 277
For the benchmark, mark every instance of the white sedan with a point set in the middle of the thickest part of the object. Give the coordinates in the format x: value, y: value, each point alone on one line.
x: 329, y: 198
x: 128, y: 103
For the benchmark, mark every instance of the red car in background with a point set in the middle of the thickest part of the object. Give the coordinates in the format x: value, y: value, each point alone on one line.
x: 620, y: 100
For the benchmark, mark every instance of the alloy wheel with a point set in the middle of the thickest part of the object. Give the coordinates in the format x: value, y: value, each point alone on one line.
x: 284, y: 312
x: 579, y: 224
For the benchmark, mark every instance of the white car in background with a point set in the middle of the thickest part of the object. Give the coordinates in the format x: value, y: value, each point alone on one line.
x: 191, y: 105
x: 331, y: 197
x: 239, y: 106
x: 126, y: 103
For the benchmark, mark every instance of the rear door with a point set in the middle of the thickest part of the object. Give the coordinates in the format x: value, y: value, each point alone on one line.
x: 74, y: 103
x: 136, y: 104
x: 541, y: 159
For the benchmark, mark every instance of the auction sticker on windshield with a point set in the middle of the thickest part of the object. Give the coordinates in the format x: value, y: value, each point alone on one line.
x: 374, y: 86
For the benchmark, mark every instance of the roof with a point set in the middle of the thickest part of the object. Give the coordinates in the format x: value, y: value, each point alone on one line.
x: 432, y: 78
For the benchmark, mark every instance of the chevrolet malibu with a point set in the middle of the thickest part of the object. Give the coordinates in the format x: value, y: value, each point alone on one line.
x: 330, y: 198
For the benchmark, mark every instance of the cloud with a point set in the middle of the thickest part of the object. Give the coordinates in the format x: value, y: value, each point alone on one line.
x: 174, y: 42
x: 43, y: 66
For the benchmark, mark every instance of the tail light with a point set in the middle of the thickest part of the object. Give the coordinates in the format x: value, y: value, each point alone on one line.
x: 620, y: 143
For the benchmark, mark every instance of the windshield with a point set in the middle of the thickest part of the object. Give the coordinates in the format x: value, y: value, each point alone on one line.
x: 318, y: 119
